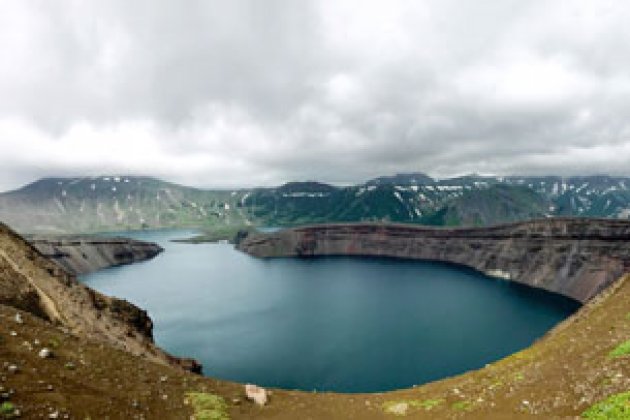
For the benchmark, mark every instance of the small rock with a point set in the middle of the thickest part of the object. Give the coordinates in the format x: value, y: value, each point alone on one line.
x: 256, y: 394
x: 45, y: 353
x: 236, y: 401
x: 18, y: 319
x: 399, y: 409
x: 13, y: 334
x: 163, y: 378
x: 54, y: 415
x: 13, y: 369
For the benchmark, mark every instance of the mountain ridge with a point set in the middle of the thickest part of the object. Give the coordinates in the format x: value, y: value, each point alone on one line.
x: 118, y: 203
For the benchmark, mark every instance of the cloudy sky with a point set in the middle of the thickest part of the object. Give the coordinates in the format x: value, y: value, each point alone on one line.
x: 235, y: 92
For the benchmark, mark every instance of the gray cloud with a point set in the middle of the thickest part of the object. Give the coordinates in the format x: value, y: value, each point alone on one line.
x: 223, y: 94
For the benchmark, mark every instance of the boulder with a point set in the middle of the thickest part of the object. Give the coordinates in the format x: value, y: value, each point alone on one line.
x: 256, y: 394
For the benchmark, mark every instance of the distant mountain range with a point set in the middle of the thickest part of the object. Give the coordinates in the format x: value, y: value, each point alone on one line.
x: 96, y: 204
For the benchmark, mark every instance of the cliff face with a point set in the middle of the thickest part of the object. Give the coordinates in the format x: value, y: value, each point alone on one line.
x: 84, y: 254
x: 34, y: 283
x: 574, y: 257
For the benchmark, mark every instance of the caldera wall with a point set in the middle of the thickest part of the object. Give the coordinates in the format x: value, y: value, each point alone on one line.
x: 84, y: 254
x: 574, y: 257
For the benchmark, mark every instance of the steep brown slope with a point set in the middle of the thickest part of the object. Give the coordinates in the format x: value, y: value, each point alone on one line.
x: 31, y: 282
x: 82, y: 254
x: 574, y: 257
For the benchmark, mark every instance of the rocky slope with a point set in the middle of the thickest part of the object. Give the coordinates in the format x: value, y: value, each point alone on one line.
x: 574, y: 257
x: 84, y: 254
x: 31, y: 282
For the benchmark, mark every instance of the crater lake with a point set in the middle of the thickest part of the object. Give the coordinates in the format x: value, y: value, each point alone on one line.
x: 342, y: 324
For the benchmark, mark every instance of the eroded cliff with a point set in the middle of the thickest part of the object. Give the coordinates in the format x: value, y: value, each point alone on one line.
x: 574, y: 257
x: 34, y: 283
x: 87, y: 253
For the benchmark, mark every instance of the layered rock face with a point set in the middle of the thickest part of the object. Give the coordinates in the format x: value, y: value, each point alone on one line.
x: 574, y: 257
x: 32, y: 282
x: 84, y: 254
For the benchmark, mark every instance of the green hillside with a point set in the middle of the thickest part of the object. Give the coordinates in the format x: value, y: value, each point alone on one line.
x: 115, y: 203
x: 93, y: 204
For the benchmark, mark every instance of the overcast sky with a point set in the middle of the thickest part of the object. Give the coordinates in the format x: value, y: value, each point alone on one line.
x: 241, y: 93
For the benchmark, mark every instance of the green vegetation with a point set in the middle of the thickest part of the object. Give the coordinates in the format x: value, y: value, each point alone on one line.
x: 217, y: 233
x: 495, y: 385
x: 494, y: 204
x: 430, y: 403
x: 622, y: 349
x: 208, y: 406
x: 462, y: 406
x: 7, y: 410
x: 614, y: 407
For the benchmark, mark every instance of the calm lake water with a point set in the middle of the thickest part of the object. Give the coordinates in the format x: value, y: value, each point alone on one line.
x: 337, y: 324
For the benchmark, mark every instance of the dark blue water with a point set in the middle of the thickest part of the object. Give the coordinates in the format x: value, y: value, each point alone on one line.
x: 340, y: 324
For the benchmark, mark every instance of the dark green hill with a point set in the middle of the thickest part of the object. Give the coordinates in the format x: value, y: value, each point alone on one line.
x: 503, y: 203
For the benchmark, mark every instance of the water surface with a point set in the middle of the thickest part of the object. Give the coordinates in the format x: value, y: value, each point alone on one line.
x: 340, y: 324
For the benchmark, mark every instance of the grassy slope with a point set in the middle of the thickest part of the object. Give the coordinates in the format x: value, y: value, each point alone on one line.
x: 565, y: 373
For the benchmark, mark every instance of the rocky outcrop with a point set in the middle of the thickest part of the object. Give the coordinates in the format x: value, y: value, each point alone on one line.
x: 87, y: 253
x: 32, y: 282
x: 574, y: 257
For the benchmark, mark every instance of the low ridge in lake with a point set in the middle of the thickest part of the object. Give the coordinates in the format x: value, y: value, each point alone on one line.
x: 341, y: 324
